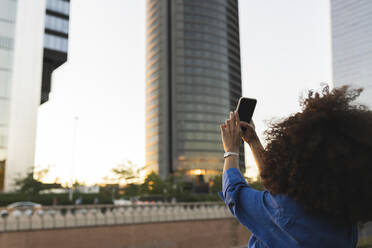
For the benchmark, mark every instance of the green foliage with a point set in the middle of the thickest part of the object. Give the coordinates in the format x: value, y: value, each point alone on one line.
x: 153, y: 184
x: 126, y: 172
x: 192, y: 197
x: 132, y: 190
x: 30, y: 187
x: 184, y: 197
x: 47, y: 199
x: 8, y: 198
x: 216, y: 184
x: 154, y: 188
x: 175, y: 185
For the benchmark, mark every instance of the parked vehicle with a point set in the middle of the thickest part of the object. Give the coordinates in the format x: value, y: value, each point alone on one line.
x: 29, y: 208
x: 122, y: 202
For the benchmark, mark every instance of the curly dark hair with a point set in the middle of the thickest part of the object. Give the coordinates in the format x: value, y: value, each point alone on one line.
x: 322, y: 156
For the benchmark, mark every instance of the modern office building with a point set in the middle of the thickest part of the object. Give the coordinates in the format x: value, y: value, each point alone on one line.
x: 40, y: 46
x: 55, y: 41
x: 352, y: 45
x: 8, y: 9
x: 193, y: 80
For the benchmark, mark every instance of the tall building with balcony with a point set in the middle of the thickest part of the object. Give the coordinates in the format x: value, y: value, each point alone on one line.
x: 40, y: 46
x: 352, y: 45
x: 193, y: 80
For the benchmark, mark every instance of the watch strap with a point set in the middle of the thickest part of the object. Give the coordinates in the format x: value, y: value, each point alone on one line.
x: 227, y: 154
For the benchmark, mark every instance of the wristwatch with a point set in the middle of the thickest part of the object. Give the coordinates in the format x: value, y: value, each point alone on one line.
x: 226, y: 154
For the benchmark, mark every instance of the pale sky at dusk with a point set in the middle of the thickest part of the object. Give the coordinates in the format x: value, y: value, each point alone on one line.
x: 285, y: 48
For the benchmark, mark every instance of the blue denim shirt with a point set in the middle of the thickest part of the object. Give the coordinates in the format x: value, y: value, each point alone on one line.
x: 278, y: 221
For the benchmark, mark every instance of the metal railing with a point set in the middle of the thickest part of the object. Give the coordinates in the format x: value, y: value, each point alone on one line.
x: 103, y: 215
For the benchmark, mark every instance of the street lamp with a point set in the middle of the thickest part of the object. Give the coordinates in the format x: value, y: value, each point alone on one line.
x: 71, y: 191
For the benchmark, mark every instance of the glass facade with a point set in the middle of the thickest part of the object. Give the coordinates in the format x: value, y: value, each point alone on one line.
x: 56, y: 24
x: 55, y: 41
x: 193, y: 81
x: 59, y: 6
x: 7, y: 28
x: 352, y: 45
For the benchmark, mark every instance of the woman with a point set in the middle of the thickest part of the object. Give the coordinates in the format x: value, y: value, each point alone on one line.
x: 317, y: 171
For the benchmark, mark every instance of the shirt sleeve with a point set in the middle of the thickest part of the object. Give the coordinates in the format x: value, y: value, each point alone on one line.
x: 254, y: 209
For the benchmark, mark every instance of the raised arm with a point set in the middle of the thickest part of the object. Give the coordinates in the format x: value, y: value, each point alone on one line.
x: 231, y: 138
x: 250, y: 136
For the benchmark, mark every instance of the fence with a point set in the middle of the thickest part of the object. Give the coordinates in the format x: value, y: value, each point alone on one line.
x: 104, y: 215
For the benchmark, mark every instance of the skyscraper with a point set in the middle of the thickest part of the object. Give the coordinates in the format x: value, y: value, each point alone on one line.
x: 352, y: 45
x: 40, y: 46
x: 55, y: 41
x: 193, y: 80
x: 7, y: 26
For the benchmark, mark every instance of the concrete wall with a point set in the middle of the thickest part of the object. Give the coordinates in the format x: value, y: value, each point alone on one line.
x: 202, y: 233
x: 62, y: 217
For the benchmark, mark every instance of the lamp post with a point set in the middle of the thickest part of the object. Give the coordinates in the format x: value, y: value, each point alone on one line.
x: 71, y: 191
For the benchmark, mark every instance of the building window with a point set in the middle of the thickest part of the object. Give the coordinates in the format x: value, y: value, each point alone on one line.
x: 57, y: 24
x: 4, y: 110
x: 4, y: 87
x: 6, y: 43
x: 8, y: 10
x: 55, y: 43
x: 58, y: 6
x: 3, y: 138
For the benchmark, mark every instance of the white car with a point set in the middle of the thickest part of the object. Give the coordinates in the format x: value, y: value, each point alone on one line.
x: 29, y: 208
x: 122, y: 202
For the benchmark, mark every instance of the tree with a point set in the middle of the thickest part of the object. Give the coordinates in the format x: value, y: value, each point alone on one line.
x: 216, y: 184
x: 126, y: 173
x: 173, y: 185
x: 132, y: 190
x: 30, y: 186
x: 153, y: 184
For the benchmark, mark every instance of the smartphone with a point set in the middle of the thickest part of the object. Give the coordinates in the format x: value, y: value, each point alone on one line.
x: 245, y: 109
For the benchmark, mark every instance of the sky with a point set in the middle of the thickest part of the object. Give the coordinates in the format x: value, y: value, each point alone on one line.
x: 95, y: 118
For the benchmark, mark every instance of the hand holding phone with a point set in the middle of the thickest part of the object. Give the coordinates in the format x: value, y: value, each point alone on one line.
x: 249, y: 135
